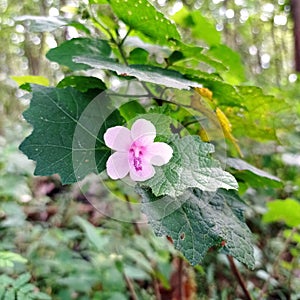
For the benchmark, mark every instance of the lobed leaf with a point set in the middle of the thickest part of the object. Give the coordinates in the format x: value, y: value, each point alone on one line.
x: 191, y: 166
x: 197, y: 221
x: 63, y: 141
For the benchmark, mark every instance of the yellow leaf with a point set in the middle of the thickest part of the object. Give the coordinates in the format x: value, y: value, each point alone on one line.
x: 69, y: 9
x: 31, y: 79
x: 226, y: 126
x: 204, y: 136
x: 205, y: 92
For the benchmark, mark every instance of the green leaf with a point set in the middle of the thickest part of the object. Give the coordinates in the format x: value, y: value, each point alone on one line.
x: 98, y: 1
x: 2, y: 289
x: 145, y: 18
x: 22, y: 280
x: 64, y: 53
x: 235, y: 73
x: 197, y: 221
x: 6, y: 281
x: 7, y: 259
x: 146, y: 73
x: 287, y: 211
x: 131, y: 109
x: 41, y: 296
x: 201, y: 27
x: 138, y: 56
x: 191, y: 166
x: 41, y: 80
x: 10, y: 294
x: 82, y: 83
x: 262, y: 115
x: 195, y: 74
x: 62, y: 140
x: 93, y: 234
x: 161, y: 122
x: 252, y: 175
x: 225, y: 94
x: 43, y: 24
x: 49, y: 23
x: 27, y: 288
x: 195, y: 53
x: 174, y: 57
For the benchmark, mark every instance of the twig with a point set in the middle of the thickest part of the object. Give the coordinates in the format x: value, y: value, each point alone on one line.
x: 180, y: 268
x: 125, y: 37
x: 156, y: 288
x: 128, y: 95
x: 130, y: 287
x: 239, y: 278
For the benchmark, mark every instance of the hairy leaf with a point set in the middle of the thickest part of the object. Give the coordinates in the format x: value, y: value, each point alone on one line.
x: 197, y: 221
x: 63, y: 141
x: 191, y: 166
x: 146, y: 73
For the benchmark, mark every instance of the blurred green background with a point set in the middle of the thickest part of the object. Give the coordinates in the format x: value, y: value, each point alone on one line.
x: 55, y: 245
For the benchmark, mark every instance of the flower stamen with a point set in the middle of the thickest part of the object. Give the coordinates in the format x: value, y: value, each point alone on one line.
x: 136, y: 157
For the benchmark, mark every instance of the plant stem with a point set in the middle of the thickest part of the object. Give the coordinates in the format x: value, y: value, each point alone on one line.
x: 156, y: 288
x: 238, y: 276
x: 125, y: 37
x: 180, y: 268
x: 131, y: 288
x: 135, y: 225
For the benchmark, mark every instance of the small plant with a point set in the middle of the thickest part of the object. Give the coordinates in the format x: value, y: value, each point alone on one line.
x: 20, y: 288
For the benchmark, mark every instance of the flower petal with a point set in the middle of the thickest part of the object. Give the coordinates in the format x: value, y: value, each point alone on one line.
x: 144, y: 131
x: 144, y: 174
x: 159, y: 153
x: 117, y: 165
x: 118, y: 138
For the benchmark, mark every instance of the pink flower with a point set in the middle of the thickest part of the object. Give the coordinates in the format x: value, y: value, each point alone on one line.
x: 136, y: 151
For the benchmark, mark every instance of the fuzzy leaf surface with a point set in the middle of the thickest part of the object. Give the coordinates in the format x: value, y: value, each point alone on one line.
x: 63, y: 141
x: 146, y: 73
x: 190, y: 167
x: 197, y: 221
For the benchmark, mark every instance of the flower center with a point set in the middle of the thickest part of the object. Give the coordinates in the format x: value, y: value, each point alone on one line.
x: 135, y: 156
